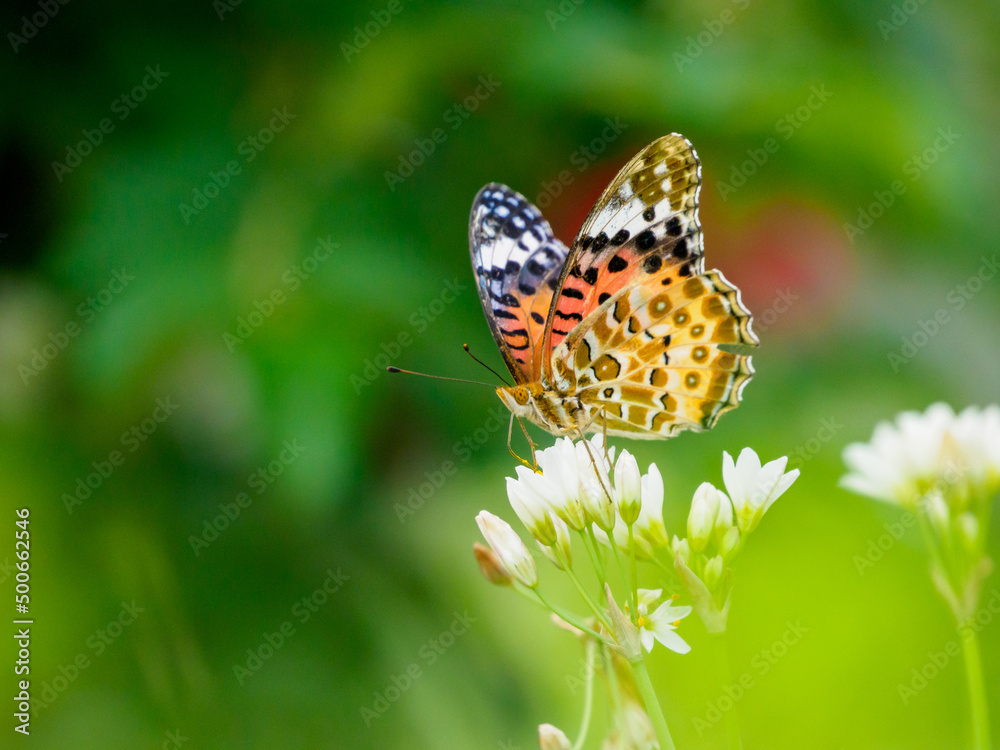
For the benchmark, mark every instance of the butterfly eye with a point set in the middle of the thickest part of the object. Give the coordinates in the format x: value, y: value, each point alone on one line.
x: 521, y: 395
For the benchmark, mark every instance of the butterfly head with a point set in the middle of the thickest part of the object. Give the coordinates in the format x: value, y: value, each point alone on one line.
x: 531, y: 401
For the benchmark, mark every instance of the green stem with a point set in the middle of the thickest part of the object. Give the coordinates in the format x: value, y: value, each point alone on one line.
x: 977, y: 691
x: 634, y: 590
x: 588, y: 698
x: 597, y: 556
x: 653, y: 709
x: 726, y: 679
x: 576, y: 622
x: 598, y: 612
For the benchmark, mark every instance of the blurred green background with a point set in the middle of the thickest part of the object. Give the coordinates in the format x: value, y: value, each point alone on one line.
x: 849, y: 155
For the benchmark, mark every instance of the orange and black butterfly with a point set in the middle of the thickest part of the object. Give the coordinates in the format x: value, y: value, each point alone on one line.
x: 624, y: 331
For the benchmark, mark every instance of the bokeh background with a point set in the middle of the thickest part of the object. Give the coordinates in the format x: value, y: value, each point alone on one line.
x: 850, y: 159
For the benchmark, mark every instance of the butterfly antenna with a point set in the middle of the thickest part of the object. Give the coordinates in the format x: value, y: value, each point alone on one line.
x: 439, y: 377
x: 502, y: 379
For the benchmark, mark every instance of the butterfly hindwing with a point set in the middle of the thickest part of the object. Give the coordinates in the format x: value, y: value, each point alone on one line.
x: 645, y: 222
x: 649, y: 360
x: 517, y: 261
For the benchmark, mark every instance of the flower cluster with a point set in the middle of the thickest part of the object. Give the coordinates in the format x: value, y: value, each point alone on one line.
x: 945, y: 467
x: 582, y: 492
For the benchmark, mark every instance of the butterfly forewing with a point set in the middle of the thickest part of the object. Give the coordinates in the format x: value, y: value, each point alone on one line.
x: 517, y: 261
x: 645, y: 221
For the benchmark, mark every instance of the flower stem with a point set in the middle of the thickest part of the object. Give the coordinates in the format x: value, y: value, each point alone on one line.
x: 977, y: 691
x: 725, y: 680
x: 588, y: 698
x: 653, y: 709
x: 634, y: 589
x: 597, y: 557
x: 600, y: 613
x: 536, y: 597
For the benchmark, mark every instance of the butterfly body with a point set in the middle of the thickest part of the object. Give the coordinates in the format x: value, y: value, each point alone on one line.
x: 621, y: 332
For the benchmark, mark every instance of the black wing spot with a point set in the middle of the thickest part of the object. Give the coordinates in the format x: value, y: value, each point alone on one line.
x: 568, y: 316
x: 585, y: 242
x: 496, y: 273
x: 590, y: 275
x: 680, y: 249
x: 603, y: 297
x: 558, y: 332
x: 510, y: 300
x: 572, y: 293
x: 501, y: 313
x: 537, y: 317
x: 649, y: 214
x: 621, y: 238
x: 535, y: 268
x: 617, y: 263
x: 645, y: 240
x: 600, y: 242
x: 652, y: 264
x: 575, y: 271
x: 673, y: 226
x: 512, y: 267
x: 685, y: 270
x: 525, y: 289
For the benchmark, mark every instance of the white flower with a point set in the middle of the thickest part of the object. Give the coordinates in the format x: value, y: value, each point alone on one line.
x: 552, y: 738
x: 559, y: 482
x: 531, y: 508
x: 628, y: 487
x: 650, y: 524
x: 701, y: 518
x: 936, y: 449
x: 661, y: 624
x: 643, y: 549
x: 559, y: 552
x: 596, y: 492
x: 507, y: 545
x: 754, y: 488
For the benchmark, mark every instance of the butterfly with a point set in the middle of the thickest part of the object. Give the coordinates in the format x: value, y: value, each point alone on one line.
x: 622, y: 332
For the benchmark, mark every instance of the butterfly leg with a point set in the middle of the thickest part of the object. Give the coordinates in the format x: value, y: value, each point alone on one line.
x: 510, y: 429
x: 593, y: 461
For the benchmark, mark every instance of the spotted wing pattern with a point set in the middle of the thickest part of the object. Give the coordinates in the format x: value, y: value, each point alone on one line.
x: 648, y: 362
x: 517, y: 261
x: 645, y: 354
x: 645, y: 222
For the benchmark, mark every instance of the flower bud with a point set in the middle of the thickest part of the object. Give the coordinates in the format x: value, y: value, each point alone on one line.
x: 531, y: 508
x: 490, y: 566
x: 938, y: 513
x: 628, y: 485
x: 729, y: 546
x: 595, y: 498
x: 650, y: 524
x: 713, y: 572
x: 701, y: 519
x: 682, y: 550
x: 513, y: 555
x: 552, y: 738
x: 968, y: 532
